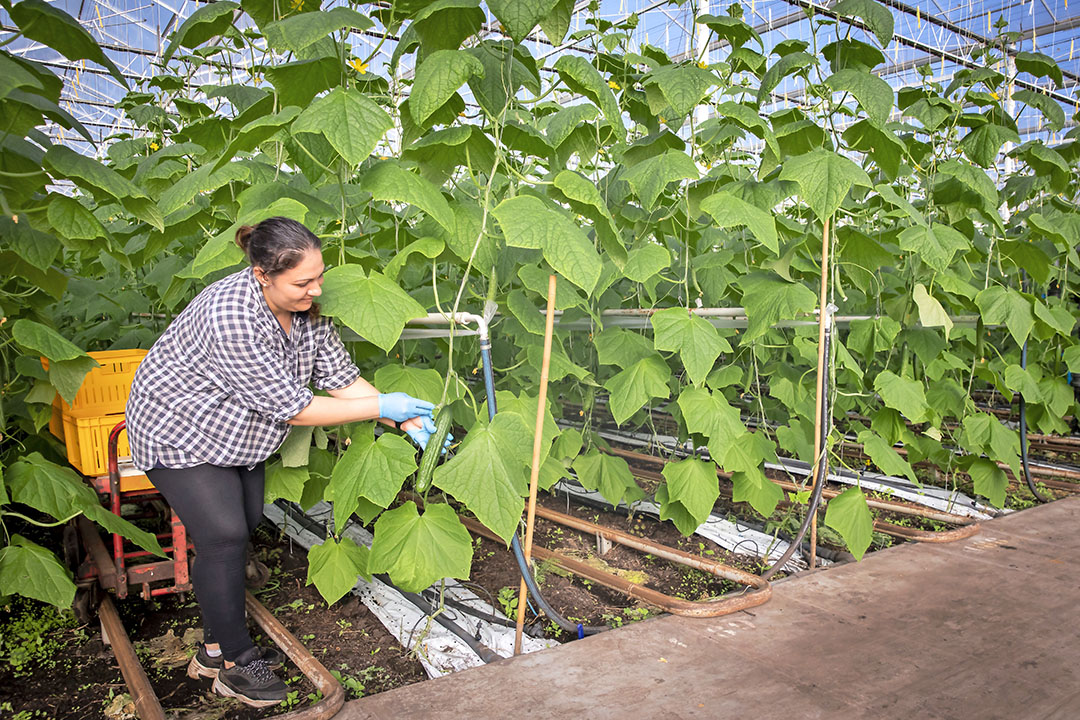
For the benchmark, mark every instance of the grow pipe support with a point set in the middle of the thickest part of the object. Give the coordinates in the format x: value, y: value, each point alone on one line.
x: 576, y: 629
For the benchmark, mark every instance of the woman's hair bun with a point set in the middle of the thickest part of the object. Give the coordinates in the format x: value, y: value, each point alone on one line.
x: 243, y: 237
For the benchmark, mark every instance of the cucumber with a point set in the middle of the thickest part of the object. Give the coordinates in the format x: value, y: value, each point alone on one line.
x: 434, y: 449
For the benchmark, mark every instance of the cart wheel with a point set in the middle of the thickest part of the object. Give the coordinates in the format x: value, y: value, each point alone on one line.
x: 73, y: 552
x: 256, y: 574
x: 86, y: 603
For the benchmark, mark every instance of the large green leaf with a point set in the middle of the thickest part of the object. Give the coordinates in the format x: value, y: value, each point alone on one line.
x: 1048, y: 106
x: 709, y: 414
x: 59, y: 492
x: 972, y: 177
x: 983, y: 144
x: 581, y: 77
x: 256, y: 132
x: 884, y: 456
x: 371, y: 305
x: 729, y: 28
x: 1039, y: 65
x: 824, y: 179
x: 681, y: 88
x: 557, y: 22
x: 30, y: 570
x: 729, y: 211
x: 88, y: 173
x: 769, y: 298
x: 438, y: 77
x: 931, y: 313
x: 333, y: 567
x: 608, y: 475
x: 990, y: 481
x: 999, y: 304
x: 297, y: 32
x: 649, y: 178
x: 936, y: 244
x: 519, y: 17
x: 349, y: 120
x: 787, y: 65
x: 874, y: 94
x: 646, y: 260
x: 528, y: 223
x: 423, y: 383
x: 71, y: 220
x: 418, y: 550
x: 984, y: 433
x: 205, y: 179
x: 849, y: 515
x: 694, y: 485
x: 584, y: 197
x: 630, y: 389
x: 391, y: 182
x: 285, y: 482
x: 877, y: 17
x: 622, y: 347
x: 903, y: 394
x: 489, y: 473
x: 374, y: 469
x: 44, y: 340
x: 1020, y: 380
x: 206, y: 22
x: 694, y: 337
x: 54, y: 28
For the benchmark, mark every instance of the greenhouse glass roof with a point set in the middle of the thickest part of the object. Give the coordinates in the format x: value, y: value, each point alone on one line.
x: 931, y: 37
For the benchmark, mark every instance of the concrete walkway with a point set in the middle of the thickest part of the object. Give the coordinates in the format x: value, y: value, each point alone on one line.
x: 981, y: 628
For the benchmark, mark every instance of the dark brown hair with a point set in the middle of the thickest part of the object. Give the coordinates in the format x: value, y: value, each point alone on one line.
x: 278, y: 244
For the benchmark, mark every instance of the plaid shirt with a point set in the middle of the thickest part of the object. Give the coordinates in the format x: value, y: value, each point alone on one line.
x: 219, y: 385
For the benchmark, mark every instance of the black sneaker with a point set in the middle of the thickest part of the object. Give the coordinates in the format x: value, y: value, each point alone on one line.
x: 252, y: 683
x: 204, y: 665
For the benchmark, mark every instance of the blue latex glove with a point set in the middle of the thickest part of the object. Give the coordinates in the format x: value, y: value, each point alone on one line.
x: 399, y: 407
x: 422, y: 435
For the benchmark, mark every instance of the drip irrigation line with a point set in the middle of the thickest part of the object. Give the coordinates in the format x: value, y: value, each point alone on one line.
x: 482, y: 651
x: 464, y: 607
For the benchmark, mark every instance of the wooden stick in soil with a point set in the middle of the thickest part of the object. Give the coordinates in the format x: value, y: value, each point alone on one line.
x: 821, y: 370
x: 534, y: 475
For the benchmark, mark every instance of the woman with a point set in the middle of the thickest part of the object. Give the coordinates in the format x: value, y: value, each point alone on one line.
x: 216, y: 396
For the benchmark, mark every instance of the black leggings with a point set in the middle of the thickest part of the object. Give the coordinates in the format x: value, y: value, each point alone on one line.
x: 220, y: 507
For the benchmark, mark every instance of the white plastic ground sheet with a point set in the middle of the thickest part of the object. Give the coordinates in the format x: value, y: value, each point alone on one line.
x: 721, y: 531
x: 439, y: 650
x: 943, y: 499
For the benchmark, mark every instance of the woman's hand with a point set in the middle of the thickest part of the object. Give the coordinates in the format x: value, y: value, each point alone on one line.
x: 420, y: 430
x: 399, y: 407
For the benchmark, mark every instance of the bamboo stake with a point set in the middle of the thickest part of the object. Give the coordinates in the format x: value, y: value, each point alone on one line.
x: 822, y: 321
x: 534, y: 475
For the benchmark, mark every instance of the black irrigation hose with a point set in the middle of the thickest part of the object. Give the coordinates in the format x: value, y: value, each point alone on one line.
x: 482, y: 651
x: 577, y: 629
x: 468, y: 609
x: 823, y: 464
x: 1023, y: 419
x: 1023, y: 437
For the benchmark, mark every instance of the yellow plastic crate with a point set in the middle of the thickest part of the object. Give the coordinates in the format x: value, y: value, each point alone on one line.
x: 86, y: 434
x: 105, y: 389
